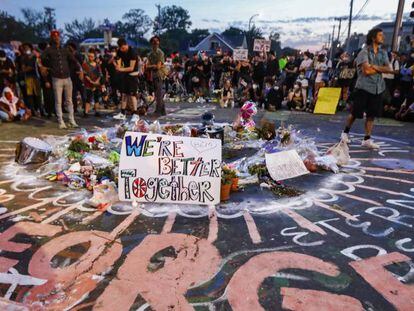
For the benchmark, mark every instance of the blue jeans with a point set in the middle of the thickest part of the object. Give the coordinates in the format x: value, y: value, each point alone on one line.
x: 4, y: 116
x: 63, y: 86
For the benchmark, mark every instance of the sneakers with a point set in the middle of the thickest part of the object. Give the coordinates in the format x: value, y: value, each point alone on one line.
x: 62, y: 125
x: 345, y: 138
x: 369, y: 143
x: 119, y: 116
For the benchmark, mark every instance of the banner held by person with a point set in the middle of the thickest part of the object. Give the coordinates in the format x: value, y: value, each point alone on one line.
x: 240, y: 54
x: 261, y: 45
x: 169, y: 169
x: 328, y: 98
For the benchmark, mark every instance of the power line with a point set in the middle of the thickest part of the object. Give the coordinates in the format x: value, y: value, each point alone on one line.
x: 356, y: 16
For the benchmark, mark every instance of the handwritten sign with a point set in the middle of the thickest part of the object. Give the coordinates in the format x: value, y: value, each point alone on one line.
x: 261, y: 45
x: 169, y: 169
x: 240, y: 54
x: 328, y: 98
x: 285, y: 165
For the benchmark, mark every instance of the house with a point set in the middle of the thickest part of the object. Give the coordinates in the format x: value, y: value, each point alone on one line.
x: 214, y: 41
x: 100, y: 43
x: 405, y: 33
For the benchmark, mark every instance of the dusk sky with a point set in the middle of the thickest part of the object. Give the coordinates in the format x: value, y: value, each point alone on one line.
x: 301, y: 23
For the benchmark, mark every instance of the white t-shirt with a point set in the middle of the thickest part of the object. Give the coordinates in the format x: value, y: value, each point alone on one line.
x: 394, y: 65
x: 305, y: 64
x: 320, y: 66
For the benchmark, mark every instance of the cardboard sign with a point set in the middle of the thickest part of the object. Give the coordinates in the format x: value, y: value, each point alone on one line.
x: 285, y: 165
x: 261, y: 45
x: 240, y: 54
x: 168, y: 169
x: 328, y: 98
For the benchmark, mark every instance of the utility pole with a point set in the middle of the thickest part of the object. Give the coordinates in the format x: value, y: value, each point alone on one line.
x: 340, y: 19
x: 332, y: 42
x: 349, y: 25
x: 397, y: 26
x: 158, y: 6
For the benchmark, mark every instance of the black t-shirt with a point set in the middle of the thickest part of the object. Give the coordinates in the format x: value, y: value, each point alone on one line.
x: 127, y: 57
x: 291, y: 65
x: 29, y: 61
x: 272, y: 67
x: 258, y: 70
x: 6, y: 65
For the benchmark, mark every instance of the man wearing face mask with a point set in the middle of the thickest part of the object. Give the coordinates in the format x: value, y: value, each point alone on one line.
x: 57, y: 60
x: 31, y: 81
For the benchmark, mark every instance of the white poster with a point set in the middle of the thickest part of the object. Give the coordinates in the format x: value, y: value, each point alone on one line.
x: 285, y: 164
x: 169, y: 169
x: 261, y: 45
x: 240, y: 54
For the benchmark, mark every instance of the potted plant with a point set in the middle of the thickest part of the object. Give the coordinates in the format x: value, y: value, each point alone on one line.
x: 226, y: 183
x: 232, y: 173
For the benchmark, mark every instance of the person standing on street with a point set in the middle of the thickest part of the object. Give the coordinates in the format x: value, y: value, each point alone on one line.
x: 127, y: 66
x: 57, y: 60
x: 156, y: 65
x: 371, y: 63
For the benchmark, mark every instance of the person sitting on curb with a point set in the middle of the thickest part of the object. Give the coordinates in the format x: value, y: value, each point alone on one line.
x: 12, y: 108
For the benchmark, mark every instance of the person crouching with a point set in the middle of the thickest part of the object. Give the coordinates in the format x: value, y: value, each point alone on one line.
x: 12, y: 108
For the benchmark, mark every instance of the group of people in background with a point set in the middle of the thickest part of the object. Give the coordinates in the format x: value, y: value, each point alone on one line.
x: 53, y: 78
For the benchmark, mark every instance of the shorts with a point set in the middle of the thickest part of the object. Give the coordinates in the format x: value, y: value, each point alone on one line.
x: 32, y: 86
x: 129, y: 85
x: 92, y: 96
x: 366, y: 102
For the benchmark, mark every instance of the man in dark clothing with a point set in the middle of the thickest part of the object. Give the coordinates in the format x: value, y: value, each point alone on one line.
x: 127, y: 66
x: 77, y: 78
x: 57, y: 60
x: 272, y: 66
x: 7, y: 71
x: 31, y: 81
x: 111, y: 75
x: 47, y: 90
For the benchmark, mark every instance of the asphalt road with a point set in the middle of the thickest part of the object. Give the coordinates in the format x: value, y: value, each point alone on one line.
x: 345, y: 244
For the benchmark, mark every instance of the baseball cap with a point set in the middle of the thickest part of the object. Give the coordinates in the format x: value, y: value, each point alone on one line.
x: 54, y: 32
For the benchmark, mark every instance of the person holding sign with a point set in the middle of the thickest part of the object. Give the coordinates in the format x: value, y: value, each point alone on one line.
x: 371, y: 62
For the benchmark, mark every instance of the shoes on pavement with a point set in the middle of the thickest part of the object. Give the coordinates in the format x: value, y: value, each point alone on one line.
x: 62, y: 125
x: 73, y: 124
x: 119, y: 116
x: 345, y: 138
x: 369, y: 143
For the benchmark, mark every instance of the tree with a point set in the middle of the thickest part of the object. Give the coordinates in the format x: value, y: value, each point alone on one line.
x: 136, y: 23
x: 275, y: 44
x: 171, y: 18
x: 197, y: 35
x: 233, y: 31
x: 12, y: 29
x: 39, y: 22
x: 251, y: 34
x: 80, y: 30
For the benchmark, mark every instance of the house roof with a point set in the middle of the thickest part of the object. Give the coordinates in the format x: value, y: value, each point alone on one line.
x: 235, y: 41
x: 231, y: 42
x: 391, y: 24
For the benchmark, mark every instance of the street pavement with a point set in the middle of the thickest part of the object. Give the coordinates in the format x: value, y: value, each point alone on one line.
x: 345, y: 244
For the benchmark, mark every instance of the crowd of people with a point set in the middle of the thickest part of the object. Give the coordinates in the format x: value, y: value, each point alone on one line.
x: 52, y: 78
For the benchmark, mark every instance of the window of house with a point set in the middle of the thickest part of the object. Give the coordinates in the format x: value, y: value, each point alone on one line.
x: 214, y: 45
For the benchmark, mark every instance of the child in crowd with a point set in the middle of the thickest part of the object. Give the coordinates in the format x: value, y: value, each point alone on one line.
x: 227, y: 95
x: 93, y: 86
x: 272, y: 95
x: 295, y: 97
x: 12, y: 108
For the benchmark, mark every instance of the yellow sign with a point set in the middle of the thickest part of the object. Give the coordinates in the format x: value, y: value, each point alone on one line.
x: 328, y: 98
